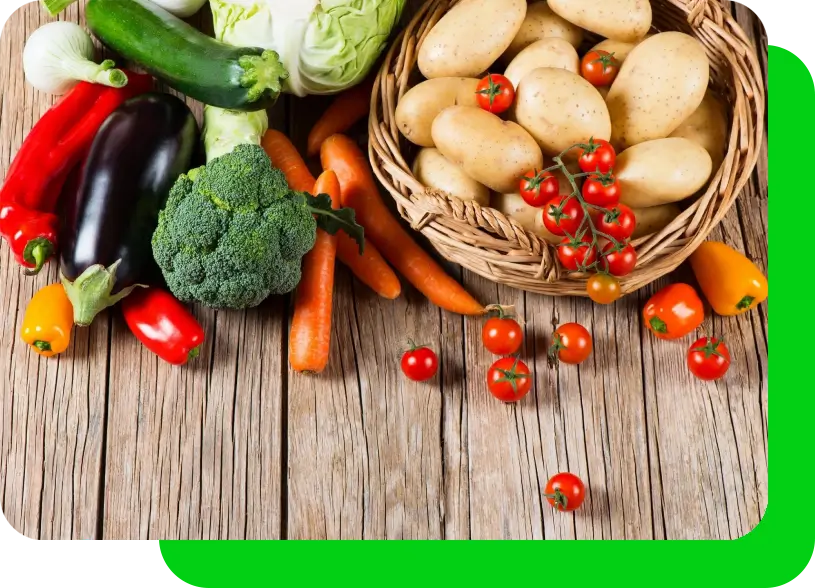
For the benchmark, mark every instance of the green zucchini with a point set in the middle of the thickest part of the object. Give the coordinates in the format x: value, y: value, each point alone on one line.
x: 235, y: 78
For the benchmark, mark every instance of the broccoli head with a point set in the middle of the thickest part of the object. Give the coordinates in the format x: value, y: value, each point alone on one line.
x: 232, y: 232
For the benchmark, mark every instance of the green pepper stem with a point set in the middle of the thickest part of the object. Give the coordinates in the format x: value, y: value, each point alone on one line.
x: 42, y: 345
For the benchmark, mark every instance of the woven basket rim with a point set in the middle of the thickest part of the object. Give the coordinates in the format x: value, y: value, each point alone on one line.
x: 487, y: 242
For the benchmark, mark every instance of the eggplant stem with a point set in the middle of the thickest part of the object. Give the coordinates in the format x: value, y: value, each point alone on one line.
x: 90, y: 293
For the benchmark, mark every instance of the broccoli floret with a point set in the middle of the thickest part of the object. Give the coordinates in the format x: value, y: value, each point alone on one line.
x: 233, y: 233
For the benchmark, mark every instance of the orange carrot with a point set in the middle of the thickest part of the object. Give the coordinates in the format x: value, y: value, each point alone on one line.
x: 359, y: 191
x: 348, y: 108
x: 369, y: 266
x: 310, y: 338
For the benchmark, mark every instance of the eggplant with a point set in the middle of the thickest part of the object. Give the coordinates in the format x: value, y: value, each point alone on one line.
x: 107, y: 225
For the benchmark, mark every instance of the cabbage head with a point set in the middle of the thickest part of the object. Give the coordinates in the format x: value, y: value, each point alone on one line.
x: 326, y: 45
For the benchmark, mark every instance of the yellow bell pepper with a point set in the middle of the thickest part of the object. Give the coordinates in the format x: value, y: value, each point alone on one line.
x: 731, y: 283
x: 48, y: 321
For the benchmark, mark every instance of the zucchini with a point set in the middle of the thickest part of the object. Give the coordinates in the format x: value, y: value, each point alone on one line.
x: 235, y: 78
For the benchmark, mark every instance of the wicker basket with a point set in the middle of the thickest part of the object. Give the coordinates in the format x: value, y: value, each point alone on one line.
x: 490, y: 244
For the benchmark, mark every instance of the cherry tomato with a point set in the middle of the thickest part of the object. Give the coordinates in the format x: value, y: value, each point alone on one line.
x: 600, y: 156
x: 708, y: 359
x: 565, y: 492
x: 571, y: 344
x: 599, y: 68
x: 619, y: 262
x: 603, y: 289
x: 502, y: 335
x: 420, y: 363
x: 602, y: 190
x: 538, y: 188
x: 495, y: 93
x: 509, y: 379
x: 673, y: 312
x: 575, y: 254
x: 563, y: 215
x: 618, y: 222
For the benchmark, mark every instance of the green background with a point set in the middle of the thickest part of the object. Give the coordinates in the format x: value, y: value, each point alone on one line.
x: 771, y: 555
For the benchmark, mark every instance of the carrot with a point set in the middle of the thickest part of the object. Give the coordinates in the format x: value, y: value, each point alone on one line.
x: 310, y: 338
x: 359, y: 191
x: 348, y: 108
x: 369, y: 266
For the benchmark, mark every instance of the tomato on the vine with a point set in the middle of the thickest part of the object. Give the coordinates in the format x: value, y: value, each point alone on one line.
x: 599, y: 157
x: 509, y: 379
x: 539, y: 187
x: 563, y: 215
x: 420, y: 363
x: 708, y: 359
x: 565, y: 492
x: 603, y: 288
x: 502, y: 335
x: 602, y: 190
x: 619, y: 261
x: 619, y: 222
x: 571, y: 344
x: 495, y: 93
x: 577, y: 253
x: 599, y: 68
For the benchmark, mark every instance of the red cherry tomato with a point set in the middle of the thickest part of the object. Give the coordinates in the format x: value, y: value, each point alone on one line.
x: 618, y: 222
x: 502, y: 335
x: 708, y: 359
x: 565, y: 492
x: 509, y: 379
x: 619, y: 262
x: 600, y: 156
x: 420, y: 363
x: 603, y: 289
x: 563, y: 215
x: 538, y: 188
x: 576, y: 254
x: 495, y: 93
x: 599, y: 68
x: 571, y: 344
x: 602, y: 190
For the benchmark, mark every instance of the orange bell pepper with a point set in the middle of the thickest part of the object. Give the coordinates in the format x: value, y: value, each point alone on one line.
x: 48, y: 321
x: 673, y: 312
x: 731, y: 283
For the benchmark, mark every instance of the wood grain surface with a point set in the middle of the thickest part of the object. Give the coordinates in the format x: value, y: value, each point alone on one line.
x: 108, y: 442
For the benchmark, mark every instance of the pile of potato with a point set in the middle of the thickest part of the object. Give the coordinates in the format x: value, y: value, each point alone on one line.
x: 668, y: 130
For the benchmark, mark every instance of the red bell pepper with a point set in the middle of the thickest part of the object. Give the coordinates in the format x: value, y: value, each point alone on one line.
x: 163, y: 324
x: 55, y: 146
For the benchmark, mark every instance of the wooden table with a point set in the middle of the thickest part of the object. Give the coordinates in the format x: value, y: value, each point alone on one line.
x: 108, y: 442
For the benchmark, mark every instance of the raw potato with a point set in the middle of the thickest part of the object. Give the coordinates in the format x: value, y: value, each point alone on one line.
x: 559, y: 109
x: 707, y: 127
x: 553, y: 52
x: 621, y: 20
x: 661, y: 83
x: 620, y: 49
x: 529, y: 217
x: 419, y: 107
x: 653, y: 219
x: 434, y: 170
x: 661, y: 171
x: 494, y: 152
x: 542, y: 23
x: 470, y: 38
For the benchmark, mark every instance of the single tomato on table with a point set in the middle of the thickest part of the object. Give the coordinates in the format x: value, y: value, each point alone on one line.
x: 571, y: 344
x: 563, y: 215
x: 602, y: 190
x: 502, y: 335
x: 709, y: 359
x: 509, y: 379
x: 619, y: 260
x: 674, y: 311
x: 598, y: 157
x: 603, y: 288
x: 539, y: 187
x: 565, y: 492
x: 495, y: 93
x: 618, y: 222
x: 420, y: 363
x: 599, y: 68
x: 578, y: 252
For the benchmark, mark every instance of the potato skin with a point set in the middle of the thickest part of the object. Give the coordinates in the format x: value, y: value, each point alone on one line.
x: 661, y: 171
x: 420, y: 105
x: 707, y: 127
x: 470, y: 38
x: 542, y: 23
x: 661, y: 83
x: 513, y: 206
x: 560, y: 109
x: 654, y: 218
x: 621, y: 20
x: 434, y: 170
x: 552, y: 52
x: 620, y: 49
x: 493, y: 152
